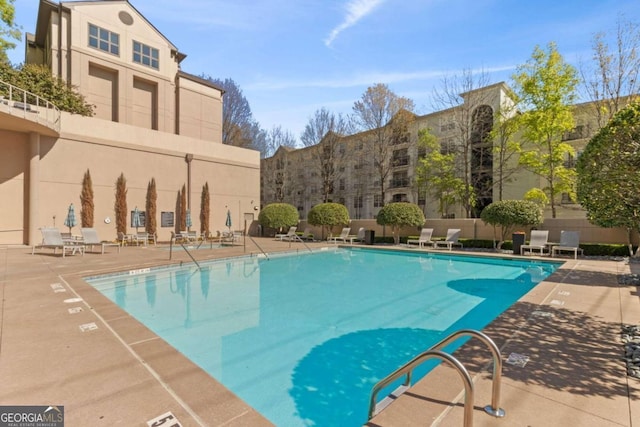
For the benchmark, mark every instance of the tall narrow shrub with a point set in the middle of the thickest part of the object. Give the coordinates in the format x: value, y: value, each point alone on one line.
x: 205, y: 209
x: 151, y: 208
x: 86, y: 201
x: 183, y: 208
x: 120, y: 206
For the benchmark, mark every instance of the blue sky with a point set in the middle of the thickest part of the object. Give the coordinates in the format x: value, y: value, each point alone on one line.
x: 293, y: 57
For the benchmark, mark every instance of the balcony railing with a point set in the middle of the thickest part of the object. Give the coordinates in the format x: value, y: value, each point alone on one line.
x: 19, y: 102
x: 399, y: 183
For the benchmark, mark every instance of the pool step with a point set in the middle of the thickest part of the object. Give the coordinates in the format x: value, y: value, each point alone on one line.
x: 389, y: 399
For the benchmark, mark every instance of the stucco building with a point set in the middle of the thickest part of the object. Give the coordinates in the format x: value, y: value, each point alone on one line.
x: 151, y: 120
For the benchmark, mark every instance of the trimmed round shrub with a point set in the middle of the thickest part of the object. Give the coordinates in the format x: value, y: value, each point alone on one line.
x: 328, y: 215
x: 509, y: 214
x: 400, y: 214
x: 278, y: 216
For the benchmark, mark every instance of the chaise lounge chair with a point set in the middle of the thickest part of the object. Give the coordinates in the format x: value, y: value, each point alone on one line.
x: 344, y: 235
x: 538, y: 241
x: 90, y: 238
x: 569, y: 242
x: 424, y: 239
x: 289, y: 235
x: 52, y: 239
x: 358, y: 237
x: 453, y: 234
x: 307, y: 234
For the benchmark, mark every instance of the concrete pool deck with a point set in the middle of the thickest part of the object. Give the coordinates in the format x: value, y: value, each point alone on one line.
x: 106, y: 369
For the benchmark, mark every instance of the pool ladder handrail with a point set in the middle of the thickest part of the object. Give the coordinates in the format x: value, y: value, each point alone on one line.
x: 435, y: 351
x: 171, y: 242
x: 258, y: 246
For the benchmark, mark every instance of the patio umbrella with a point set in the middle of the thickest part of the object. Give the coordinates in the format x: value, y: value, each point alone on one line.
x: 70, y: 220
x: 135, y: 219
x: 228, y: 222
x: 188, y: 219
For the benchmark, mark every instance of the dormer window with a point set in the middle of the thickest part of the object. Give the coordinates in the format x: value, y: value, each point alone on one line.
x: 146, y: 55
x: 104, y: 40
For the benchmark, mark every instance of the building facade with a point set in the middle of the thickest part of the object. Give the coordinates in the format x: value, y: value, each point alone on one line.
x: 151, y: 121
x: 295, y: 176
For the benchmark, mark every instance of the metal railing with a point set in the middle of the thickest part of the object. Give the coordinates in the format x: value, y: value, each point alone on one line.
x: 171, y: 242
x: 16, y: 101
x: 435, y: 351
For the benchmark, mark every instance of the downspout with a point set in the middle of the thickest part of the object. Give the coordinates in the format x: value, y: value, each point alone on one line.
x: 60, y: 41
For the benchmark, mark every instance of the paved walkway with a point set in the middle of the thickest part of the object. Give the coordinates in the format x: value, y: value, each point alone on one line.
x: 108, y: 370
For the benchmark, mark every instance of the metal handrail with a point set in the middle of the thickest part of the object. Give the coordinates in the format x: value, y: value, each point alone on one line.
x: 258, y: 246
x: 407, y: 370
x: 301, y: 241
x: 30, y: 104
x: 173, y: 239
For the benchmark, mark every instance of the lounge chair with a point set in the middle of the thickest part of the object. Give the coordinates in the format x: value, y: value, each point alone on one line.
x: 424, y: 239
x: 569, y: 242
x: 140, y: 238
x: 307, y: 234
x: 537, y: 241
x: 288, y: 235
x: 358, y: 237
x: 344, y: 235
x: 52, y: 239
x: 90, y: 238
x: 453, y: 234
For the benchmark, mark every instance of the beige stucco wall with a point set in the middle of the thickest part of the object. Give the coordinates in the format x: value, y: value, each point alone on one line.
x: 199, y: 106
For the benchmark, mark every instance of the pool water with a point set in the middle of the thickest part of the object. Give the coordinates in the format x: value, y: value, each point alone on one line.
x: 303, y: 338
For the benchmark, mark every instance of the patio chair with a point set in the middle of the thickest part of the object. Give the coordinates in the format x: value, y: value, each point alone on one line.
x: 123, y: 239
x: 307, y: 234
x: 52, y: 239
x: 537, y: 241
x: 343, y: 236
x: 569, y: 242
x: 358, y: 237
x: 424, y: 239
x: 90, y: 238
x: 141, y: 238
x: 453, y: 234
x: 291, y: 234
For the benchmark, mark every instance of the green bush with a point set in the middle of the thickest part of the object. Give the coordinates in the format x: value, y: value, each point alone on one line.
x: 511, y: 213
x: 278, y: 216
x: 328, y: 215
x: 400, y: 214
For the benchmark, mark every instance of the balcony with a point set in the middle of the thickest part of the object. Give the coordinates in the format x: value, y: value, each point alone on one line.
x: 399, y: 183
x: 26, y: 105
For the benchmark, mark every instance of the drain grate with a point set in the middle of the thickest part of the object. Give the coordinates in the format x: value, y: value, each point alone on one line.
x: 517, y: 359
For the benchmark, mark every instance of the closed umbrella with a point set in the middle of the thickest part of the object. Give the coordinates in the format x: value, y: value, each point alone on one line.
x: 188, y: 219
x: 70, y: 220
x: 135, y: 219
x: 228, y: 222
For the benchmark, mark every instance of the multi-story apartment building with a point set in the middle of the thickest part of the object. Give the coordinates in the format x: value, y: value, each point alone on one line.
x: 151, y: 120
x: 295, y: 176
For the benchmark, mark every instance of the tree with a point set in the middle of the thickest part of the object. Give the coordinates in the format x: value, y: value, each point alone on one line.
x: 436, y: 173
x: 86, y: 201
x: 151, y: 205
x: 609, y: 173
x: 467, y: 134
x: 120, y: 206
x: 377, y: 112
x: 399, y: 215
x: 182, y: 221
x: 546, y: 86
x: 506, y: 148
x: 509, y: 214
x: 278, y: 216
x: 324, y: 132
x: 612, y: 79
x: 9, y: 30
x: 205, y: 209
x: 328, y: 215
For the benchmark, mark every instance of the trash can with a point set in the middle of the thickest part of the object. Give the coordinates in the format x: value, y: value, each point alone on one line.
x: 518, y: 240
x: 369, y: 237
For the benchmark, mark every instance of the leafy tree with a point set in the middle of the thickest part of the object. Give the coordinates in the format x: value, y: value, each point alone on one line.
x: 151, y: 206
x: 609, y: 173
x: 506, y: 148
x: 400, y: 214
x: 612, y: 79
x: 436, y: 173
x: 377, y: 111
x: 120, y: 206
x: 205, y: 209
x: 86, y: 201
x: 328, y: 215
x: 9, y: 30
x: 509, y: 214
x: 546, y: 86
x: 278, y: 216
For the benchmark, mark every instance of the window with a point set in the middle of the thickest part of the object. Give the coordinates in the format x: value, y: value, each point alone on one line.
x: 105, y: 40
x: 377, y: 201
x: 357, y: 202
x: 146, y: 55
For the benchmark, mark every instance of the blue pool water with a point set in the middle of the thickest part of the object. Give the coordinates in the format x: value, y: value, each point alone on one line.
x: 303, y: 338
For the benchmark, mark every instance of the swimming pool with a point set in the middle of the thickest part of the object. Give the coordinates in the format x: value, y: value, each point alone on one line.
x: 303, y: 338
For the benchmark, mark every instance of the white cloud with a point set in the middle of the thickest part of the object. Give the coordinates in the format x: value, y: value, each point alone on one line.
x: 356, y: 10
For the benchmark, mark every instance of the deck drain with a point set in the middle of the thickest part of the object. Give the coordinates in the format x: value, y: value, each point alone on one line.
x: 556, y: 302
x: 519, y: 360
x: 57, y: 287
x: 88, y: 327
x: 540, y: 313
x: 167, y: 418
x: 75, y: 310
x: 72, y: 300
